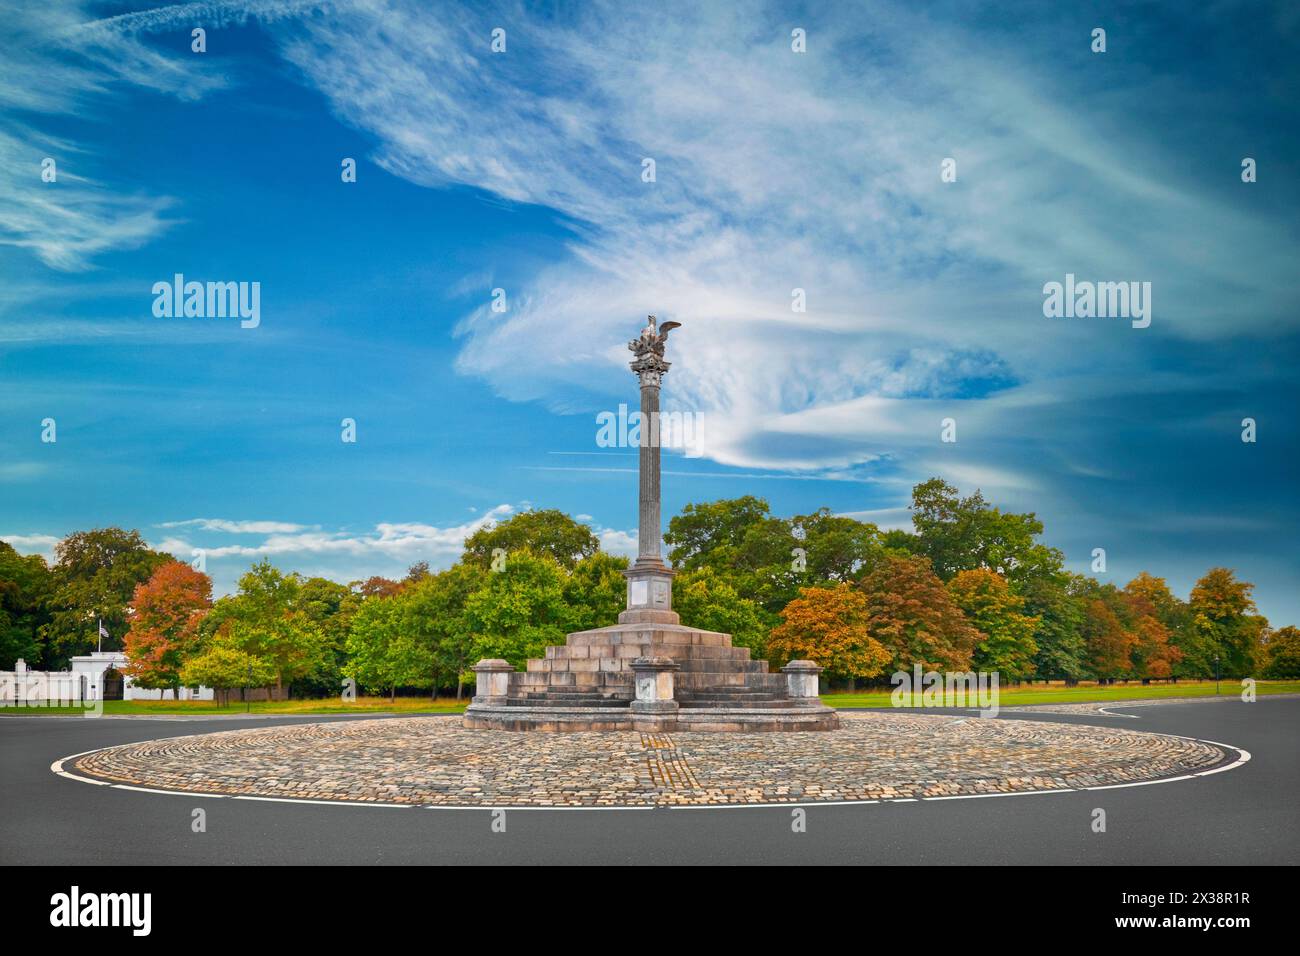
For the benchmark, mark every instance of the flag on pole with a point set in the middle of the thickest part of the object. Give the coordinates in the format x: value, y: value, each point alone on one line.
x: 103, y: 633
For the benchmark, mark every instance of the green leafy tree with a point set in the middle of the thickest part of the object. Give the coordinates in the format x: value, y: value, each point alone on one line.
x: 547, y: 532
x: 263, y: 619
x: 519, y: 611
x: 329, y: 606
x: 961, y: 534
x: 838, y: 549
x: 1224, y: 618
x: 25, y: 586
x: 768, y: 559
x: 1062, y: 652
x: 1007, y: 645
x: 383, y: 653
x: 433, y: 615
x: 596, y: 591
x: 223, y: 666
x: 695, y: 536
x: 95, y: 576
x: 1282, y: 660
x: 706, y: 600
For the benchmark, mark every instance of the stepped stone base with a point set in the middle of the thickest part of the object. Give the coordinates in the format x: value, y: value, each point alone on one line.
x: 649, y: 674
x: 578, y: 719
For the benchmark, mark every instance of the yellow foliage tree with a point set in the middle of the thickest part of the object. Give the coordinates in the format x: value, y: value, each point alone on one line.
x: 830, y: 627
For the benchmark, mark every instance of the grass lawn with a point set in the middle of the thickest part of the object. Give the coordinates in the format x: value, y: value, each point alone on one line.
x: 1082, y: 693
x: 414, y: 705
x: 1008, y: 697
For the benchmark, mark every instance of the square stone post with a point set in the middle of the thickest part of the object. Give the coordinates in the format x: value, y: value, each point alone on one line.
x: 492, y: 685
x: 654, y: 687
x: 801, y: 679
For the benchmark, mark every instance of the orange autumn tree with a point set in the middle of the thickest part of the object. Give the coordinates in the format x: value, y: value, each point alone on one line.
x: 1110, y: 643
x: 911, y: 613
x: 165, y: 614
x: 1154, y: 654
x: 829, y: 626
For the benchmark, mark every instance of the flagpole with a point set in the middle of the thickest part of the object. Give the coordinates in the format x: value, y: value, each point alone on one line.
x: 99, y: 623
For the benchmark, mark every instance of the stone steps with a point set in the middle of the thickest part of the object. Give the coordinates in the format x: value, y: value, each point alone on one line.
x: 740, y: 703
x: 597, y: 703
x: 567, y: 696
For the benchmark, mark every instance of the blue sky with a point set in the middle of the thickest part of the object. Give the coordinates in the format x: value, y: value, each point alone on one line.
x: 774, y: 171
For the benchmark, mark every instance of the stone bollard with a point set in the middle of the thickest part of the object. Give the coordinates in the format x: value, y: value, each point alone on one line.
x: 801, y: 680
x: 492, y: 686
x: 654, y: 686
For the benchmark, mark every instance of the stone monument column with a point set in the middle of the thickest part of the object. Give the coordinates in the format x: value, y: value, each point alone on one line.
x: 649, y: 580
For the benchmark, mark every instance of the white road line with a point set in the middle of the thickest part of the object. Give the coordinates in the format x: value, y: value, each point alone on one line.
x: 1245, y: 755
x: 1141, y: 783
x: 329, y: 803
x: 758, y: 806
x: 170, y: 793
x: 73, y: 776
x: 1008, y: 793
x: 489, y: 806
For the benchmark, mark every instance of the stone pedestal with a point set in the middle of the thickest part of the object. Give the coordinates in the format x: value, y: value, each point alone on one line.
x: 653, y: 678
x: 649, y: 594
x: 801, y: 680
x: 493, y: 681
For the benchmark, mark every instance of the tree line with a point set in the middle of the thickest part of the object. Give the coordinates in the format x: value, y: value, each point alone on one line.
x: 971, y: 587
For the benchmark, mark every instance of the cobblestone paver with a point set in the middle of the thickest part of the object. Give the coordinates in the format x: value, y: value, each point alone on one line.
x: 430, y: 760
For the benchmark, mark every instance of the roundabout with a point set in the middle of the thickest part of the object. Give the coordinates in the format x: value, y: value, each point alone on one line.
x: 434, y: 762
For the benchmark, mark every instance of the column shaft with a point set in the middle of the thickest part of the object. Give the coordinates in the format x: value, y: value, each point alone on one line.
x: 650, y: 530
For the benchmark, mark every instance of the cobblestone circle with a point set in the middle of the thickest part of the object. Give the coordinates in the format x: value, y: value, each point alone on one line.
x: 433, y: 760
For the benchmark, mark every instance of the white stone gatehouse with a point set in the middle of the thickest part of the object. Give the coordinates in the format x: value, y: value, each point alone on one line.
x: 97, y: 676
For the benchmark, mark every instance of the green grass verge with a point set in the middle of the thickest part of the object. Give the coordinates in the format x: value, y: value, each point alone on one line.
x: 414, y: 705
x: 1008, y: 697
x: 1082, y: 693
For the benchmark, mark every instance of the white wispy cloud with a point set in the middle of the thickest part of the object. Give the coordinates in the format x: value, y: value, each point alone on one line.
x: 391, y: 541
x: 236, y: 527
x: 42, y: 544
x: 778, y: 171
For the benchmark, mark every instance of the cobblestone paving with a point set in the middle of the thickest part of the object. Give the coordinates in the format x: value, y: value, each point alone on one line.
x: 431, y: 760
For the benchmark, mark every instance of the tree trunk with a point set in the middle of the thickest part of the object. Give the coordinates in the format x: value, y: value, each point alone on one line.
x: 459, y: 685
x: 392, y: 694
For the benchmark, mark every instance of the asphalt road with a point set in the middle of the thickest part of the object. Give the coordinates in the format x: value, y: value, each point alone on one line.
x: 1249, y: 815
